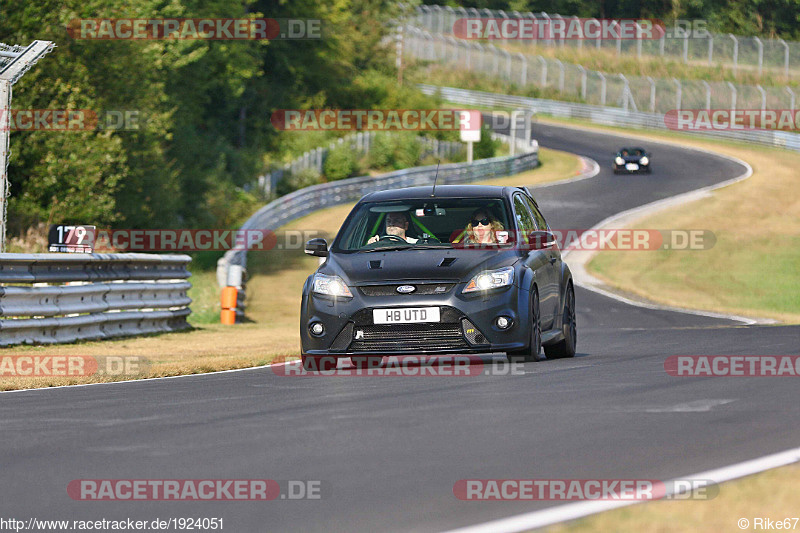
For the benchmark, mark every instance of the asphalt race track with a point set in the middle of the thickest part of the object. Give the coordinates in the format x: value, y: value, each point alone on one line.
x: 389, y: 450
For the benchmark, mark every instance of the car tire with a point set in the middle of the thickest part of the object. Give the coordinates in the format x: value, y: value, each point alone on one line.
x: 566, y: 347
x: 371, y: 361
x: 531, y: 353
x: 318, y: 363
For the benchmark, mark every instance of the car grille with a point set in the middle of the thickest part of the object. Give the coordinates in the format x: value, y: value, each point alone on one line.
x: 444, y: 335
x: 391, y: 290
x: 409, y: 337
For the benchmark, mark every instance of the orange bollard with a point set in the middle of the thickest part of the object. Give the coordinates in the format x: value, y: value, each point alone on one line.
x: 228, y: 317
x: 228, y: 301
x: 229, y: 295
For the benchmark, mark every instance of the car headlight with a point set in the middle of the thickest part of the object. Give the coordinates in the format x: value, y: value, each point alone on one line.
x: 330, y: 286
x: 492, y: 279
x: 644, y: 160
x: 619, y: 161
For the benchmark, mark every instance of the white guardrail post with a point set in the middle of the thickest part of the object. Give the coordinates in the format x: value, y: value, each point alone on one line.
x: 56, y: 298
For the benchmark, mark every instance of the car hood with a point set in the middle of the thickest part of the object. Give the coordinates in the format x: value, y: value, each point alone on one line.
x: 403, y: 265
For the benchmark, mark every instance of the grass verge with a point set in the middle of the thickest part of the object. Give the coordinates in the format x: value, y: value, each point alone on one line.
x: 752, y: 267
x: 273, y: 308
x: 771, y: 494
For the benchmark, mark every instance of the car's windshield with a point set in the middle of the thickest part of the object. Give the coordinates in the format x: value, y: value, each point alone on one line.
x: 402, y: 224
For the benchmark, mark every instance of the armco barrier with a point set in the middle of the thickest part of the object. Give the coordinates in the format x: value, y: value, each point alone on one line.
x: 55, y: 298
x: 310, y: 199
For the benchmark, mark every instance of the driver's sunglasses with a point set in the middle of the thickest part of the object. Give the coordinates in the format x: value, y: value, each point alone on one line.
x: 481, y: 222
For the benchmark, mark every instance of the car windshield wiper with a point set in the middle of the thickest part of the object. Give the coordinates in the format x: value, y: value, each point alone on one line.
x: 388, y: 248
x: 432, y: 246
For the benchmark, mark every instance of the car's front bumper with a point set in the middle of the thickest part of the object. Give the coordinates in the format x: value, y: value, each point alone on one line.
x: 622, y: 168
x: 467, y: 324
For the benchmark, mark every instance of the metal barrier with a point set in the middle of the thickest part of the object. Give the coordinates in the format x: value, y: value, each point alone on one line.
x: 310, y: 199
x: 610, y: 116
x: 56, y: 298
x: 360, y: 142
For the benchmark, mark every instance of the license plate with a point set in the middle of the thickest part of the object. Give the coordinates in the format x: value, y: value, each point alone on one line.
x: 632, y: 166
x: 405, y: 315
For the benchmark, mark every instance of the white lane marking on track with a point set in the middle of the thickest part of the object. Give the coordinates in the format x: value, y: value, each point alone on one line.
x: 697, y: 406
x: 562, y: 513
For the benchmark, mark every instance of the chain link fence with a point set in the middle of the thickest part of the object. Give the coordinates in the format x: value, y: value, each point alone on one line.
x: 580, y: 84
x: 690, y: 45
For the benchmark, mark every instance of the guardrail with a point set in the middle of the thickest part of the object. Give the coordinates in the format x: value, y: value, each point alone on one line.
x: 361, y: 142
x: 57, y: 298
x: 310, y: 199
x: 604, y: 115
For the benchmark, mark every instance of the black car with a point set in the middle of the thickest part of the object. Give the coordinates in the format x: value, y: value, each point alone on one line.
x: 461, y: 269
x: 630, y: 160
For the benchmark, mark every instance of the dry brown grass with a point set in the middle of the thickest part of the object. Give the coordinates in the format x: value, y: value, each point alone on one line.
x: 772, y: 494
x: 752, y: 268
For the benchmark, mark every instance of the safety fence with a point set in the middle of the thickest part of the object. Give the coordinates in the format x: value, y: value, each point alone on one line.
x: 577, y: 83
x: 685, y: 41
x: 57, y: 298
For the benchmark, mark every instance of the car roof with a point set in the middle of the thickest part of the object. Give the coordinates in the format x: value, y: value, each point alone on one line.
x: 442, y: 191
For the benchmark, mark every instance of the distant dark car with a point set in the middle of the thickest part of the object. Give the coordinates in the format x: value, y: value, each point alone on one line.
x: 438, y: 287
x: 631, y: 160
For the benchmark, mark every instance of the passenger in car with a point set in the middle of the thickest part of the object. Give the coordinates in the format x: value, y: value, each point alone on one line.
x: 482, y: 228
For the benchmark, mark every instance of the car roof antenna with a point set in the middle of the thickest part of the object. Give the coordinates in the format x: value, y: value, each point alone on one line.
x: 433, y: 192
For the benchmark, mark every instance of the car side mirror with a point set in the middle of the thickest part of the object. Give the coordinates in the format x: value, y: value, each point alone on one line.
x: 317, y: 247
x: 541, y: 240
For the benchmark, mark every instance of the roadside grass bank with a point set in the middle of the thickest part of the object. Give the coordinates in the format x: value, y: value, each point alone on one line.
x: 273, y: 308
x: 771, y: 494
x: 751, y: 269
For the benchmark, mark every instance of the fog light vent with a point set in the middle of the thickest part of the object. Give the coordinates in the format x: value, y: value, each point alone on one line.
x: 472, y: 333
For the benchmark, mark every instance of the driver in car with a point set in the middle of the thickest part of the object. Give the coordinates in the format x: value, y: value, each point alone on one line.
x: 396, y: 224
